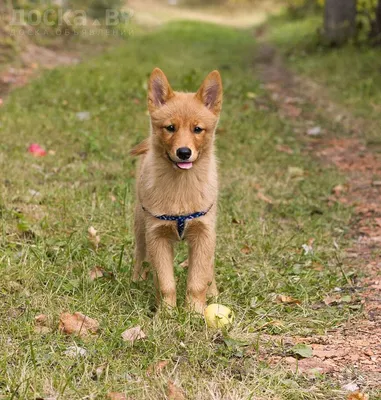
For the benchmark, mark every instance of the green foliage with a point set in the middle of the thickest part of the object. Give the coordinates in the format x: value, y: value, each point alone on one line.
x: 366, y: 14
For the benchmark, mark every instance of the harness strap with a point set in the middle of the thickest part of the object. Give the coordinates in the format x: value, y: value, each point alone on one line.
x: 180, y: 219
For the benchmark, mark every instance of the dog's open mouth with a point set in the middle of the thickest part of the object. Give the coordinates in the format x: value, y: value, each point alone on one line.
x: 184, y: 165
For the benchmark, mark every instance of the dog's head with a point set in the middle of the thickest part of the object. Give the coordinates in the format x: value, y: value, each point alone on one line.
x: 183, y: 124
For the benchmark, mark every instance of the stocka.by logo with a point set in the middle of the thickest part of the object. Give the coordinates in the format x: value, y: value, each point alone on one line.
x: 54, y: 17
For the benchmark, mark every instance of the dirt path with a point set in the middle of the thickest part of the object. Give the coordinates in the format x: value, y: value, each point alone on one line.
x: 353, y: 352
x: 153, y: 13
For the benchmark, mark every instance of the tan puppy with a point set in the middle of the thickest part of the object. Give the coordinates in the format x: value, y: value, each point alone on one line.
x: 177, y: 187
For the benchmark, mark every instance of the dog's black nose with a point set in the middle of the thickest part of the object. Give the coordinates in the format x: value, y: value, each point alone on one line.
x: 184, y: 153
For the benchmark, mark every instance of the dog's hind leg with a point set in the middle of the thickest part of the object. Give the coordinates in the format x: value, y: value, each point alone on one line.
x: 140, y: 270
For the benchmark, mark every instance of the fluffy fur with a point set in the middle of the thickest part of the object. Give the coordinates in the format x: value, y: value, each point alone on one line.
x: 164, y: 188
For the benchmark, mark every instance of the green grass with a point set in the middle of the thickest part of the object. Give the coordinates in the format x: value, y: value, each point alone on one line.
x: 47, y: 205
x: 351, y: 74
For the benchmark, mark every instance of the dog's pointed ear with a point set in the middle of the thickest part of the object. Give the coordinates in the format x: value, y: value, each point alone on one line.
x: 210, y: 92
x: 159, y: 90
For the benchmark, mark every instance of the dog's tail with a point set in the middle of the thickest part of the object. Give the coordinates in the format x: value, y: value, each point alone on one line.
x: 141, y: 148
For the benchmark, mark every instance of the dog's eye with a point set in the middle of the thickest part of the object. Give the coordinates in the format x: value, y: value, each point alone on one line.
x: 170, y: 128
x: 197, y: 129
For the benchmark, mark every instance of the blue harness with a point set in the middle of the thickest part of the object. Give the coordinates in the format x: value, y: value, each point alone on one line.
x: 180, y: 219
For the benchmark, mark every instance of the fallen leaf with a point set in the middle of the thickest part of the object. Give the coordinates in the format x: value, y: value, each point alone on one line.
x: 36, y: 150
x: 303, y: 350
x: 41, y: 327
x: 339, y: 189
x: 42, y: 330
x: 75, y: 351
x: 185, y: 264
x: 281, y: 298
x: 77, y: 323
x: 351, y: 387
x: 246, y: 249
x: 315, y: 131
x: 96, y: 272
x: 52, y: 152
x: 83, y: 115
x: 284, y: 149
x: 263, y: 197
x: 157, y: 368
x: 41, y: 319
x: 116, y: 396
x: 94, y: 238
x: 357, y: 396
x: 174, y: 392
x: 132, y: 334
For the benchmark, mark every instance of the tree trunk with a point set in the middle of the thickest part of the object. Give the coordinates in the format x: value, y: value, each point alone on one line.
x: 375, y: 34
x: 339, y: 21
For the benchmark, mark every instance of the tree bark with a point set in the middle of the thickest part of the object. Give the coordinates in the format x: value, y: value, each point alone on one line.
x: 339, y: 21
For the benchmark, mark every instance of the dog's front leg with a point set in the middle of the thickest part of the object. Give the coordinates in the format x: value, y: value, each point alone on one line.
x: 202, y: 243
x: 160, y: 253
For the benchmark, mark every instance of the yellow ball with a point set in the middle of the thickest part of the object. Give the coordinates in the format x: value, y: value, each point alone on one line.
x: 218, y: 316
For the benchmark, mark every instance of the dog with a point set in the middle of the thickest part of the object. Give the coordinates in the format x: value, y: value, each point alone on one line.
x: 177, y: 188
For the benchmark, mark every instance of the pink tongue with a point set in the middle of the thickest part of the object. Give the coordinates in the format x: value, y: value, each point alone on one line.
x: 185, y: 165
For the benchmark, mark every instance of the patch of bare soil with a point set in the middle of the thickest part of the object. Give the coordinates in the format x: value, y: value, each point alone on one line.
x: 31, y: 60
x: 353, y: 352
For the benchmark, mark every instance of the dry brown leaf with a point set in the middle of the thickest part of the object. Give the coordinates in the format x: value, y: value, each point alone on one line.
x: 246, y: 249
x: 41, y: 327
x: 265, y: 198
x: 185, y: 264
x: 77, y: 323
x: 157, y: 368
x: 42, y: 330
x: 316, y: 266
x: 41, y: 319
x: 94, y: 238
x: 132, y: 334
x: 174, y: 392
x: 281, y: 298
x: 331, y: 300
x: 116, y: 396
x: 339, y: 189
x: 357, y: 396
x: 96, y: 272
x: 284, y: 149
